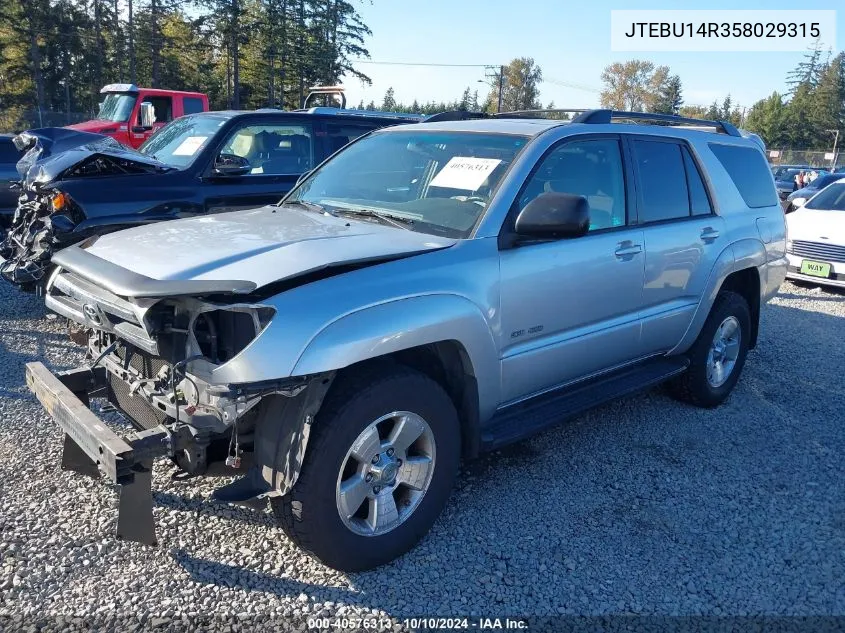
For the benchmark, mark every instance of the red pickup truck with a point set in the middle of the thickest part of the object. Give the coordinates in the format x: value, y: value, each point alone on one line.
x: 131, y: 114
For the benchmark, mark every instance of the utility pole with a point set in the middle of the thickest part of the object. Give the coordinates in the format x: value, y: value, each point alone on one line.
x: 131, y: 27
x: 501, y: 87
x: 835, y: 142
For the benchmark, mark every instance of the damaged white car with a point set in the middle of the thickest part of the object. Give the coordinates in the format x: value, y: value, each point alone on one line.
x: 431, y: 291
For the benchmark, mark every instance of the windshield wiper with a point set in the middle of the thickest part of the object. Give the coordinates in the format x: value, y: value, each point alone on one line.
x: 385, y: 218
x: 310, y: 206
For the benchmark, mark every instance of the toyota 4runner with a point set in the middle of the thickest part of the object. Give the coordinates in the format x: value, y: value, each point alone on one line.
x: 430, y: 292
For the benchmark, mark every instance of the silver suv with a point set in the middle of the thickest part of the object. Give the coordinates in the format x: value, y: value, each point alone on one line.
x: 431, y: 291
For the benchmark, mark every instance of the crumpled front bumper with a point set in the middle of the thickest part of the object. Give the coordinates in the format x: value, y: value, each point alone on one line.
x: 92, y: 449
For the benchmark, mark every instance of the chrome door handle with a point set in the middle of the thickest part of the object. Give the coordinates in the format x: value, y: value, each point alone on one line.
x: 709, y: 234
x: 627, y: 250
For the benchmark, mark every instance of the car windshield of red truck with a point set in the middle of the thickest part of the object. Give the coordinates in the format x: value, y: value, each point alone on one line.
x: 117, y: 107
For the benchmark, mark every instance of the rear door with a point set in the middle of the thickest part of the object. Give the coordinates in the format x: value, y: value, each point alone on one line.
x: 279, y: 152
x: 683, y: 236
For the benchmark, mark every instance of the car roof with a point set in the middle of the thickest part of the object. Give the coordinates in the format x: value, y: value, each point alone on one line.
x: 520, y: 126
x: 340, y: 114
x: 532, y: 127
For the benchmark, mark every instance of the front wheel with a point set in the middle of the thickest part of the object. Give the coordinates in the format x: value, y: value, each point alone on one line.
x: 718, y: 354
x: 378, y: 470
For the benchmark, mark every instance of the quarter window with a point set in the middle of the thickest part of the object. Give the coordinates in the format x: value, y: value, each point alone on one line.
x: 340, y: 135
x: 590, y: 168
x: 698, y: 200
x: 273, y: 149
x: 749, y: 171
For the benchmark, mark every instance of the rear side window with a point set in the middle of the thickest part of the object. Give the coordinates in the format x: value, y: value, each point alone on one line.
x: 192, y: 105
x: 663, y: 181
x: 749, y: 172
x: 344, y: 133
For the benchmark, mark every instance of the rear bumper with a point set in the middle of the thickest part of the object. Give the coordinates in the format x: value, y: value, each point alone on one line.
x: 91, y: 448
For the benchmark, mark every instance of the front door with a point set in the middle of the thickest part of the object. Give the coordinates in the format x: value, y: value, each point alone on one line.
x: 570, y: 308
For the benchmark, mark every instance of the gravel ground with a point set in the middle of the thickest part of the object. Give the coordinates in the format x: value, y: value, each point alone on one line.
x: 641, y: 506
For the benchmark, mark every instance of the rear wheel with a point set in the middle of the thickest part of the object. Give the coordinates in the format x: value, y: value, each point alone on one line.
x: 718, y: 354
x: 379, y: 468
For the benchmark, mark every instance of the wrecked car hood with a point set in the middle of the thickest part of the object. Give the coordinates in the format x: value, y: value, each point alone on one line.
x: 51, y: 153
x: 259, y: 245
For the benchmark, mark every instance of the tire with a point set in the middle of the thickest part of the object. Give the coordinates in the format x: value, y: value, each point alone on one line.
x: 310, y: 513
x: 693, y: 386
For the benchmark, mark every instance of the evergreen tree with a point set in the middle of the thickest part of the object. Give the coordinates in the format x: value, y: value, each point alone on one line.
x: 669, y: 97
x: 389, y: 102
x: 807, y: 71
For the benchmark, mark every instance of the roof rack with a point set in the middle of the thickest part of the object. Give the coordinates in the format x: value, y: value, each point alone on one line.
x: 600, y: 116
x: 607, y: 116
x: 537, y: 114
x: 367, y: 113
x: 455, y: 115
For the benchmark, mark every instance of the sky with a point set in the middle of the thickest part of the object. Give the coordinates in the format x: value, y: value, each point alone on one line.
x: 570, y: 41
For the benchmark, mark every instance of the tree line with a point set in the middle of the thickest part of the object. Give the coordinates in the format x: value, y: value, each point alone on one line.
x: 57, y: 54
x: 807, y: 116
x: 520, y: 90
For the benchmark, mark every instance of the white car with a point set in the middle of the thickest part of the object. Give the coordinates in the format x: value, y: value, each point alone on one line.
x: 815, y: 244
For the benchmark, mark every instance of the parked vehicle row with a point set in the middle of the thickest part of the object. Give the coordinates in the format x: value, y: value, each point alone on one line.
x: 785, y: 177
x: 430, y: 291
x: 800, y: 196
x: 78, y: 184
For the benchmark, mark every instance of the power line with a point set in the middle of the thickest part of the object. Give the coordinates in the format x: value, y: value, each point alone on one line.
x: 382, y: 63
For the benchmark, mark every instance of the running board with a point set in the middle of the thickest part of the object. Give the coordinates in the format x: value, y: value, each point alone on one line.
x: 528, y: 417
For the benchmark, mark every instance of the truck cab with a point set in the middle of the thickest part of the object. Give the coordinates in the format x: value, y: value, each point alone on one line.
x: 124, y: 116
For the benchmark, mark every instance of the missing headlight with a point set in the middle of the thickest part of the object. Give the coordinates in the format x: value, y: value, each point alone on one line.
x: 222, y: 334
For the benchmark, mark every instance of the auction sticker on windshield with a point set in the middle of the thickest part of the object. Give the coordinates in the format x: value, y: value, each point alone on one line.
x: 817, y: 269
x: 465, y: 172
x: 190, y: 146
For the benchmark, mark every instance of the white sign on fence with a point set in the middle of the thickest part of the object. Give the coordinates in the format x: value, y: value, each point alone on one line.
x: 774, y: 154
x: 829, y: 156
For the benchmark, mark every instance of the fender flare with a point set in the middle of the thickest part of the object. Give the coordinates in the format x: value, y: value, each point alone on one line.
x: 739, y: 255
x: 403, y: 324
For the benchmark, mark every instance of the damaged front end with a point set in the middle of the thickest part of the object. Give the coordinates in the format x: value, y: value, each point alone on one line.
x: 47, y: 218
x: 153, y: 357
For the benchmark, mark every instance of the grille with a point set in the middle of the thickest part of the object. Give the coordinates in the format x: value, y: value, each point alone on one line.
x: 142, y: 362
x: 818, y: 250
x: 139, y: 410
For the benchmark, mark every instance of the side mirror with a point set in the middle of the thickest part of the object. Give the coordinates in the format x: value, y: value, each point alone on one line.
x: 148, y: 116
x: 799, y: 202
x: 554, y: 215
x: 231, y: 165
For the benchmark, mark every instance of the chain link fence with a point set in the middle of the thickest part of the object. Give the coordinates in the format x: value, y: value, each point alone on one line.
x: 823, y: 159
x: 18, y: 120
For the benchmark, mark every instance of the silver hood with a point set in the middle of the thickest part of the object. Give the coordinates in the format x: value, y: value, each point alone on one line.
x: 259, y: 245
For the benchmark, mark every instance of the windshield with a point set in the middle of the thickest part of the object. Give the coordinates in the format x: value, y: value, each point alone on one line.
x: 443, y: 181
x: 823, y: 181
x: 117, y: 106
x: 831, y: 198
x: 179, y: 143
